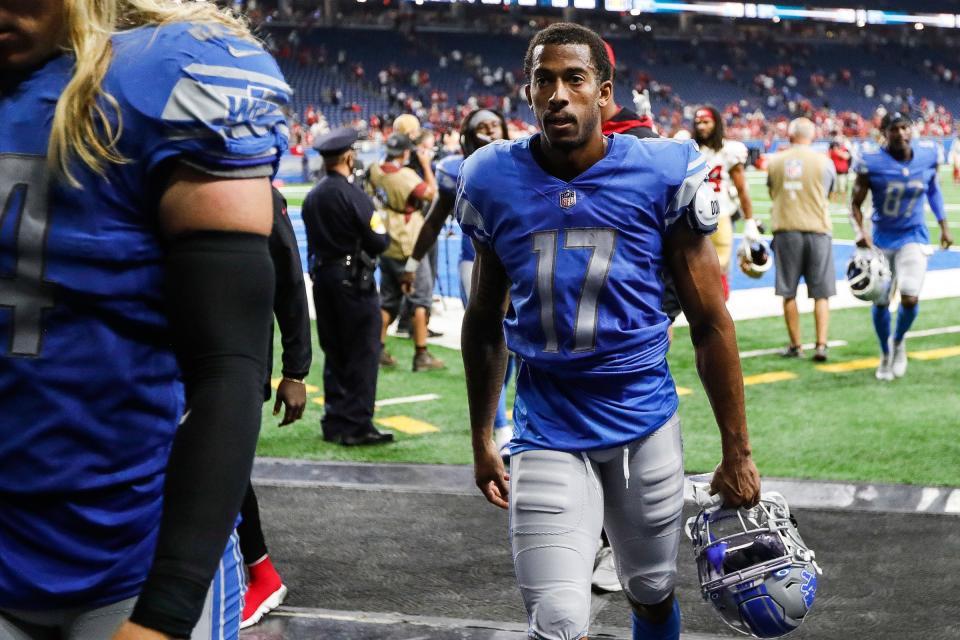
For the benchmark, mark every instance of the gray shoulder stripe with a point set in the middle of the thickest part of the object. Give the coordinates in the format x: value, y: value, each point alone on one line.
x: 688, y: 190
x: 233, y: 73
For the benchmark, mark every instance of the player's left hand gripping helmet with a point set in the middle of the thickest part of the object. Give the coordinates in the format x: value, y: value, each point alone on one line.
x: 754, y: 258
x: 753, y: 566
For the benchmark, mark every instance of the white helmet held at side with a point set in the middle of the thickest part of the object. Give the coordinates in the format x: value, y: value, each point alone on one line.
x: 868, y: 275
x: 753, y: 566
x: 754, y: 258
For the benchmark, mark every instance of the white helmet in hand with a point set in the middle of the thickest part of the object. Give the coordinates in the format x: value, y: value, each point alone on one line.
x: 869, y: 275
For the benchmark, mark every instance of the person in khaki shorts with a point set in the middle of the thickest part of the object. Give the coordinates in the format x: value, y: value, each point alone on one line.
x: 403, y: 195
x: 800, y: 181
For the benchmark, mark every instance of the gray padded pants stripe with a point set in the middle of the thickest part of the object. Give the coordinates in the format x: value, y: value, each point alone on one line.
x: 558, y: 503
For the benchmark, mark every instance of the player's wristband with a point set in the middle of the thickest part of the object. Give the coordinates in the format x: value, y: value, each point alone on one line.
x: 412, y: 265
x: 300, y: 381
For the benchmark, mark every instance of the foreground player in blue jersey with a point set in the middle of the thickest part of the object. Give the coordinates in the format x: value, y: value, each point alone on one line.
x: 575, y: 226
x: 135, y: 308
x: 899, y: 176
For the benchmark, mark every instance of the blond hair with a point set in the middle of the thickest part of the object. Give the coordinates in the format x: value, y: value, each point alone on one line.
x: 82, y: 127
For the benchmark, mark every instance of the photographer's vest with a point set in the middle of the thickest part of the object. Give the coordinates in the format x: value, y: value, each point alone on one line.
x: 404, y: 220
x: 800, y: 180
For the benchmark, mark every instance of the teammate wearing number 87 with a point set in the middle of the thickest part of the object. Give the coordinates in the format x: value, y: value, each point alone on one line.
x: 899, y: 176
x: 137, y: 141
x: 576, y: 226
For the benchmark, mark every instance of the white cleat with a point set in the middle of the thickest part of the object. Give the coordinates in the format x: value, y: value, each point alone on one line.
x: 885, y: 370
x: 502, y: 437
x: 605, y: 573
x: 899, y: 363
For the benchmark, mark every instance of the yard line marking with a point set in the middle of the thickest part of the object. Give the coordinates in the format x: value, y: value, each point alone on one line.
x: 775, y: 350
x: 935, y: 354
x: 410, y: 426
x: 850, y: 365
x: 953, y: 502
x: 683, y: 391
x: 927, y: 497
x: 275, y: 382
x: 317, y: 400
x: 767, y: 378
x: 386, y: 402
x: 934, y: 332
x: 869, y: 363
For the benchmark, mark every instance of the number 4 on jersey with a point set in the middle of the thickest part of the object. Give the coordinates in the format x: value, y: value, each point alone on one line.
x: 24, y: 217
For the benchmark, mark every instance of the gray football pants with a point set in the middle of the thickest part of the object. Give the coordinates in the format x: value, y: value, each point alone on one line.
x: 559, y: 502
x: 89, y: 624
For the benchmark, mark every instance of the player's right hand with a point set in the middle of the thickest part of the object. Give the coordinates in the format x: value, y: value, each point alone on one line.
x: 864, y: 243
x: 407, y: 278
x: 490, y: 475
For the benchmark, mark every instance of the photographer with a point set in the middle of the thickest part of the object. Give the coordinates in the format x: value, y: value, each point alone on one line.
x: 344, y: 236
x: 404, y: 195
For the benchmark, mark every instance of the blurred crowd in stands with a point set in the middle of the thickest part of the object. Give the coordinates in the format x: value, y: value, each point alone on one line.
x: 759, y: 79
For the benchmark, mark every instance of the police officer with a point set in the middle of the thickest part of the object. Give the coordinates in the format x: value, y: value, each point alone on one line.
x: 344, y: 236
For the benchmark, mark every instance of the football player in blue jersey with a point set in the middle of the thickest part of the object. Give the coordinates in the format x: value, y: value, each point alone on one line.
x: 479, y: 127
x: 899, y: 175
x: 137, y: 141
x: 575, y: 226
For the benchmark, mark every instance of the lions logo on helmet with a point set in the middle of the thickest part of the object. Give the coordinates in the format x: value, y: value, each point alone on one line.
x: 868, y: 275
x: 753, y: 566
x: 755, y: 259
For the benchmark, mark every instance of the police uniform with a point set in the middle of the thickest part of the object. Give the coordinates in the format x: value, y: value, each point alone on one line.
x: 344, y: 236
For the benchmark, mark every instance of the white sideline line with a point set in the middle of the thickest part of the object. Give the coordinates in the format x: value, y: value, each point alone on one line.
x: 934, y: 332
x: 770, y: 352
x: 518, y: 629
x: 386, y: 402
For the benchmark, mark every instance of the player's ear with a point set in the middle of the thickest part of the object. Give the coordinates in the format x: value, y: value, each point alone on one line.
x: 606, y: 93
x: 528, y: 95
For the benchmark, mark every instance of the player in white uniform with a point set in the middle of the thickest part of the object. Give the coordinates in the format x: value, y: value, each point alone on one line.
x: 726, y: 160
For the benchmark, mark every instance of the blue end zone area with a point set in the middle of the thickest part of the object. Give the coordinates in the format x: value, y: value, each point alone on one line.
x: 448, y: 278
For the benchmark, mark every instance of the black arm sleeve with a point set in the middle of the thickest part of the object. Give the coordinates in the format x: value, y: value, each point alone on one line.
x: 219, y: 288
x: 290, y: 300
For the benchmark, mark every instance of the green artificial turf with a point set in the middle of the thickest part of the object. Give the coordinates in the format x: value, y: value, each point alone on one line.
x: 830, y: 426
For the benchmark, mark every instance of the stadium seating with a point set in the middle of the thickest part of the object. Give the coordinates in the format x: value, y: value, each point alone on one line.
x: 723, y: 73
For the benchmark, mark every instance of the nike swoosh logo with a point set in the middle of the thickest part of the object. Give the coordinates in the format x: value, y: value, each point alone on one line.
x: 243, y: 53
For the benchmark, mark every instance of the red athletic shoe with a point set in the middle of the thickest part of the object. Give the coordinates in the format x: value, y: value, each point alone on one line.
x: 264, y: 593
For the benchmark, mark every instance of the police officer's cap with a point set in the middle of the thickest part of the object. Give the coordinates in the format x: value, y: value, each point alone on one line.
x: 397, y: 143
x: 336, y: 142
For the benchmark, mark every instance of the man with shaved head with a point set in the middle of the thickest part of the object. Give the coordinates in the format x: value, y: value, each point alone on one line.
x: 800, y: 181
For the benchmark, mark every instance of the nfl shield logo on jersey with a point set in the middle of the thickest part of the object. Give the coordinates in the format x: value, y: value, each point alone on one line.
x: 793, y: 169
x: 568, y: 198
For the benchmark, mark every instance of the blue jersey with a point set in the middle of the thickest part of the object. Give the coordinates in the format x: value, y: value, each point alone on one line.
x: 448, y: 173
x: 584, y: 260
x: 899, y: 191
x: 89, y: 391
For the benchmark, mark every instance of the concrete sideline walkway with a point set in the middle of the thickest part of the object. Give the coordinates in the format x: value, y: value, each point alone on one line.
x: 458, y: 480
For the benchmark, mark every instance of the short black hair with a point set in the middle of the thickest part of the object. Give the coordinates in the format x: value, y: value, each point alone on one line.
x: 570, y: 33
x: 891, y: 118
